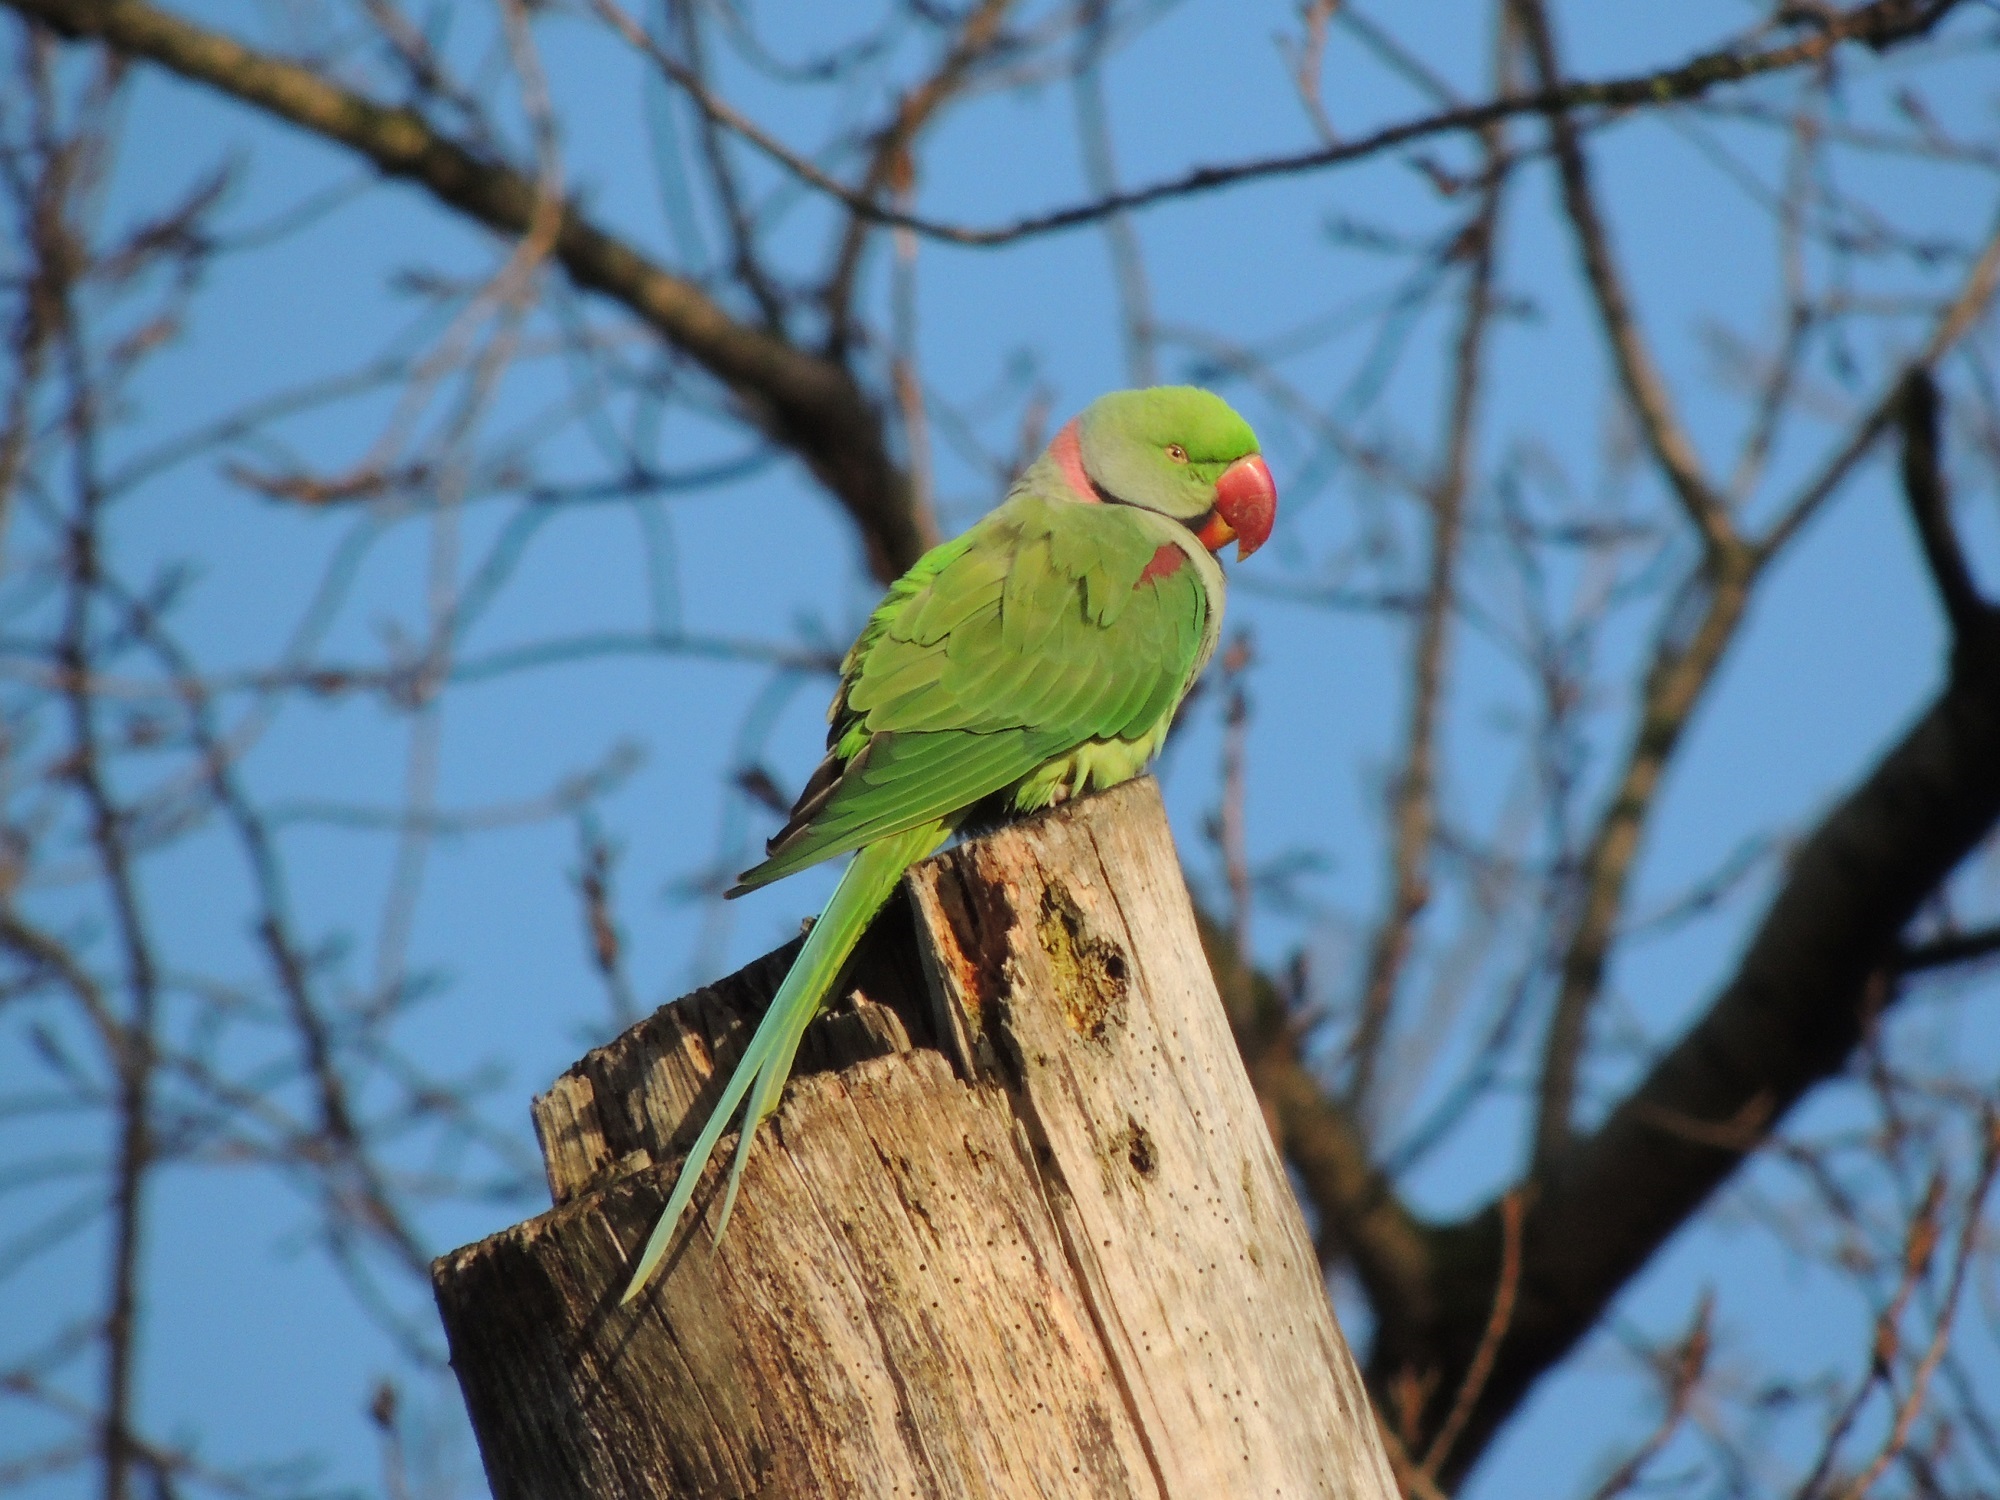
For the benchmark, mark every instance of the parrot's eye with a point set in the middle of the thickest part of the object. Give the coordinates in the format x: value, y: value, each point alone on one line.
x: 1177, y: 453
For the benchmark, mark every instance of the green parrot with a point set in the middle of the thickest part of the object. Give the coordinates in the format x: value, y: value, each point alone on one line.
x: 1038, y: 656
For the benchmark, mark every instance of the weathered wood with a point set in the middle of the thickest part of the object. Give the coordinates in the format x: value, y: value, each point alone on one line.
x: 1063, y: 1262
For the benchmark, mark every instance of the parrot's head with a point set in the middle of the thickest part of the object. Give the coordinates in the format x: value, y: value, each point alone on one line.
x: 1182, y: 451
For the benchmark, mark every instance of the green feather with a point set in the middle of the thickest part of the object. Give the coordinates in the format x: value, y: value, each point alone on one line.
x: 767, y: 1061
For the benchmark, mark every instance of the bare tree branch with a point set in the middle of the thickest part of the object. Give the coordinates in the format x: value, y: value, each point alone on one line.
x: 1683, y: 664
x: 891, y: 164
x: 1513, y: 1211
x: 1974, y: 300
x: 1879, y: 24
x: 1681, y: 1371
x: 744, y: 260
x: 1685, y: 659
x: 1672, y: 446
x: 1093, y: 128
x: 1944, y: 952
x: 1789, y: 1019
x: 1414, y: 793
x: 133, y: 1057
x: 811, y: 405
x: 1498, y: 899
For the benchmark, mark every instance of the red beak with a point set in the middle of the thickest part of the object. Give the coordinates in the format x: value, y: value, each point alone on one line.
x: 1246, y: 503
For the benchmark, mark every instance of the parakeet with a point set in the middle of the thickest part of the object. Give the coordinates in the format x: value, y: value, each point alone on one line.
x: 1038, y: 656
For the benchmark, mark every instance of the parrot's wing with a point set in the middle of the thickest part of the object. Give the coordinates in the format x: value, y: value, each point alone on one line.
x: 1048, y: 625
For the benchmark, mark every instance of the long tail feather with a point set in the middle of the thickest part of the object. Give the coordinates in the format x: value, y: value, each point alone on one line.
x: 767, y: 1061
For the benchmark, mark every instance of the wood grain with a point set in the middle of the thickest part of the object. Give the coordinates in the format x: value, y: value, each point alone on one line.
x: 1061, y: 1260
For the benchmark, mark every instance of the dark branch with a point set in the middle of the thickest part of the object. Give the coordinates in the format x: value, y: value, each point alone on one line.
x: 1930, y: 508
x: 1682, y: 668
x: 1677, y: 679
x: 1813, y: 979
x: 1945, y: 952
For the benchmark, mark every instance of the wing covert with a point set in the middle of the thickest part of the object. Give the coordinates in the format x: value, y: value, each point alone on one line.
x: 1036, y: 632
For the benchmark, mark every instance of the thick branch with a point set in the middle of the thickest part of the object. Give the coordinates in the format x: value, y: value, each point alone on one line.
x: 1818, y: 966
x: 1677, y: 678
x: 810, y: 405
x: 1815, y: 974
x: 1675, y: 682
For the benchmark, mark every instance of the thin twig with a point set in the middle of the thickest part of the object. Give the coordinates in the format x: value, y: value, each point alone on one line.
x: 1307, y: 59
x: 133, y: 1058
x: 606, y: 943
x: 1879, y: 24
x: 1683, y: 1370
x: 745, y: 263
x: 1414, y: 794
x: 1093, y: 129
x: 1975, y: 296
x: 1410, y: 1477
x: 1944, y: 952
x: 1672, y: 446
x: 1513, y: 1214
x: 1970, y: 1228
x: 891, y: 166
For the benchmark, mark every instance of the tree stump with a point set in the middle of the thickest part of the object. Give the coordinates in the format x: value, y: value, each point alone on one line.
x: 1018, y: 1229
